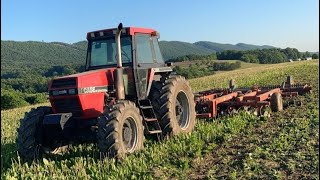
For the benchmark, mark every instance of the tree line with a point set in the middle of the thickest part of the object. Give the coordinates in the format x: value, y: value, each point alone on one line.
x: 262, y: 56
x: 205, y: 68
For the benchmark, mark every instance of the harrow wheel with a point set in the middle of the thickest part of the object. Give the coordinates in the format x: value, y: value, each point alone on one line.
x: 276, y: 102
x: 120, y: 131
x: 174, y: 106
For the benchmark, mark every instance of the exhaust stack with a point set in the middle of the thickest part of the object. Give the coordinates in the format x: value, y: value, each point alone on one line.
x: 119, y: 71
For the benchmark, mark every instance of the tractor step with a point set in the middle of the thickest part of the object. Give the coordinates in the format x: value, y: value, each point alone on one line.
x: 155, y: 132
x: 150, y: 120
x: 146, y: 107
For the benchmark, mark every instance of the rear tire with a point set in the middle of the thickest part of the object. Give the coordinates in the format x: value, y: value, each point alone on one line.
x: 276, y: 102
x: 173, y: 102
x: 120, y: 131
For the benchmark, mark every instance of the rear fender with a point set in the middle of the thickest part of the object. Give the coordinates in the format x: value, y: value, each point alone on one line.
x: 156, y: 71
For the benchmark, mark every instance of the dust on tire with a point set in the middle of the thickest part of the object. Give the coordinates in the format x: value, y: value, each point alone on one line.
x: 111, y: 131
x: 165, y: 97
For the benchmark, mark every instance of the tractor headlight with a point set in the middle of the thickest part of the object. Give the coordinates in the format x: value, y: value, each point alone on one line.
x: 63, y: 92
x: 72, y: 91
x: 55, y: 92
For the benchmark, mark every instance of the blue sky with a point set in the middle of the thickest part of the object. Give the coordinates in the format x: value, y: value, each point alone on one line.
x: 281, y: 23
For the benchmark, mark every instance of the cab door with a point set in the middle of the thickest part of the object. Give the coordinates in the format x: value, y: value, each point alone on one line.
x: 145, y: 59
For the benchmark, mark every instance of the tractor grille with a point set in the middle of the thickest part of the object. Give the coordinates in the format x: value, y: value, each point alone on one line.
x: 68, y: 105
x: 61, y: 83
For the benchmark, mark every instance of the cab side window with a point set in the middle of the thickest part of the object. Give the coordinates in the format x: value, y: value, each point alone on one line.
x: 144, y: 50
x: 157, y: 51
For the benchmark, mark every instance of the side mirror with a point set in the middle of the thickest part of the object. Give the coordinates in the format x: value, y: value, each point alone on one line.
x: 169, y: 64
x: 156, y: 33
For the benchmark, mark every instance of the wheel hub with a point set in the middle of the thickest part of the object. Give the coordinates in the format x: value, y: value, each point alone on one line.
x: 129, y: 134
x: 182, y: 110
x: 179, y: 110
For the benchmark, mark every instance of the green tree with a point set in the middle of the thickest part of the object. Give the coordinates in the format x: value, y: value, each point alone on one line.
x: 315, y: 56
x: 250, y: 58
x: 11, y: 100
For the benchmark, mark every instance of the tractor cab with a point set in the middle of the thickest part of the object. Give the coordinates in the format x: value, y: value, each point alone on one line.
x: 140, y: 56
x: 138, y: 46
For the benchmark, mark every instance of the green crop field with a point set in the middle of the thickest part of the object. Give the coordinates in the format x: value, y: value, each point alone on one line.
x: 243, y: 146
x: 243, y: 64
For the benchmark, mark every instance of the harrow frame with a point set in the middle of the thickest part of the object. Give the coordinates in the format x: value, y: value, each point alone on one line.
x: 214, y: 102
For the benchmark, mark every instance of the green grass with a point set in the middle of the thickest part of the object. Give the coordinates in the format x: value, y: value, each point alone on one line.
x: 244, y: 65
x: 238, y: 147
x: 262, y: 75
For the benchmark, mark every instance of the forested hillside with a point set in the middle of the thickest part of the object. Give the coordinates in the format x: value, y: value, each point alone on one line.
x: 18, y: 59
x: 40, y: 53
x: 26, y: 67
x: 174, y: 49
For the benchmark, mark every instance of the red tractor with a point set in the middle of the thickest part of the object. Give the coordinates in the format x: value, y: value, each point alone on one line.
x: 127, y: 92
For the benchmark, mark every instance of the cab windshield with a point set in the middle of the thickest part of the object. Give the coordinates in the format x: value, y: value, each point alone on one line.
x: 104, y: 52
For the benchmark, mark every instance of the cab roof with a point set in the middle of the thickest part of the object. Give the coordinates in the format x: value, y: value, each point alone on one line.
x: 126, y: 30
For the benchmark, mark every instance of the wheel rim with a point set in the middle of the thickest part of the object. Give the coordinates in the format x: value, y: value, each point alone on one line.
x: 129, y: 134
x: 182, y: 110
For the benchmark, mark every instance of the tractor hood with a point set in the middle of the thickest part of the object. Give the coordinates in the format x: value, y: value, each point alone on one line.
x: 83, y: 94
x: 94, y: 78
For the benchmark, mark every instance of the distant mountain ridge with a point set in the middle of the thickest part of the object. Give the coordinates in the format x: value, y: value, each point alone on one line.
x: 173, y: 49
x: 217, y: 47
x: 55, y: 53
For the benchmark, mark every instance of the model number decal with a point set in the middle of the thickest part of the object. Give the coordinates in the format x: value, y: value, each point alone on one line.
x: 87, y: 90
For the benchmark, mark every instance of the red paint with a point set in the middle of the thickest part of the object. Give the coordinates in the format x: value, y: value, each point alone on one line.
x: 265, y: 95
x: 132, y: 31
x: 91, y: 103
x: 246, y: 96
x: 255, y: 98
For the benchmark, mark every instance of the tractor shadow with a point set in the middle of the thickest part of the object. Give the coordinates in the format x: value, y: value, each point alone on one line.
x: 10, y: 158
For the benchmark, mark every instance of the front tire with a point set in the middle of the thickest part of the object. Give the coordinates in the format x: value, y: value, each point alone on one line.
x: 120, y: 131
x: 30, y: 133
x: 174, y: 105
